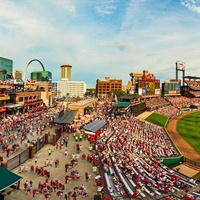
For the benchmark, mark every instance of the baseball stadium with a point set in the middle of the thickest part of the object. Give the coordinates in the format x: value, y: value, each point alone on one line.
x: 142, y: 145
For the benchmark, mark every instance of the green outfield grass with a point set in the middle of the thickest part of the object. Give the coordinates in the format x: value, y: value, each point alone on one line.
x: 157, y: 119
x: 189, y: 128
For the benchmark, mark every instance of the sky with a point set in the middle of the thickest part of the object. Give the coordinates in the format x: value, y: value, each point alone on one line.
x: 100, y: 38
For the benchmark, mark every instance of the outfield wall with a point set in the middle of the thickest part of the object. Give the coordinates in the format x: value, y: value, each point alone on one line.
x: 172, y: 161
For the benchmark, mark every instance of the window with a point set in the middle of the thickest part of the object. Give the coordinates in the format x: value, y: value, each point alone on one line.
x: 20, y: 99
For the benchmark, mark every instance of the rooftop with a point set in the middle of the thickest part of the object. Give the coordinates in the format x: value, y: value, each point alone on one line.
x: 83, y: 102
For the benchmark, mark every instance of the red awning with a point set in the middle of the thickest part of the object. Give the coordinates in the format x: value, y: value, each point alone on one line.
x: 2, y: 110
x: 32, y: 103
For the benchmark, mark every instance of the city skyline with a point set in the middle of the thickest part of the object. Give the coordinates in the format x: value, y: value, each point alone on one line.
x: 102, y: 37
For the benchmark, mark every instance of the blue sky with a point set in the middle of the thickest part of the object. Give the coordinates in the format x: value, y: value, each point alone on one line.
x: 102, y: 37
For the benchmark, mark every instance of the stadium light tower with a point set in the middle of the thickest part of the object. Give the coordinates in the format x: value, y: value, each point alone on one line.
x: 180, y: 66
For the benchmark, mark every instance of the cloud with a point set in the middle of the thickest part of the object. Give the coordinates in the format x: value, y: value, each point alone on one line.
x: 100, y: 38
x: 105, y: 8
x: 193, y: 5
x: 67, y: 5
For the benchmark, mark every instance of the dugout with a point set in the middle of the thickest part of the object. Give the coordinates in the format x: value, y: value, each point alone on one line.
x: 122, y: 108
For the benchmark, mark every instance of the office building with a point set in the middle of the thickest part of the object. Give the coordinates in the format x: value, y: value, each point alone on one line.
x: 41, y: 76
x: 6, y: 68
x: 66, y: 72
x: 106, y: 85
x: 71, y: 88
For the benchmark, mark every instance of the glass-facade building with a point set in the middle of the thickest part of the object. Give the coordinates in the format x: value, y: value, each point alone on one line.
x: 41, y: 76
x: 6, y: 68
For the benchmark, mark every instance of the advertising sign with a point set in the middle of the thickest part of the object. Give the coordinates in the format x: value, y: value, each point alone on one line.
x: 150, y: 87
x: 157, y: 91
x: 143, y: 91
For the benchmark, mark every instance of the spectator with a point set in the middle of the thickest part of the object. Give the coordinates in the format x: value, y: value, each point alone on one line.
x: 49, y: 152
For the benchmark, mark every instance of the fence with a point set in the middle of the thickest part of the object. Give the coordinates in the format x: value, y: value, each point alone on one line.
x: 39, y: 144
x: 24, y: 156
x: 58, y: 133
x: 18, y: 159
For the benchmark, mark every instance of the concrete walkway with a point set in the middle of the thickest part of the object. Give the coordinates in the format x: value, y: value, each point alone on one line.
x: 57, y: 173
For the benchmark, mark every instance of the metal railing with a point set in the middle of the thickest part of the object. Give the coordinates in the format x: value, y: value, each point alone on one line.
x: 39, y: 144
x: 18, y: 159
x: 22, y: 157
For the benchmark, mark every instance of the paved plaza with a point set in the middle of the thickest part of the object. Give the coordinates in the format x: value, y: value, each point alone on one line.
x: 57, y: 173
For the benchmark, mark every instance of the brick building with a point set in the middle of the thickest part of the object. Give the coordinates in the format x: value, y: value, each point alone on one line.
x: 106, y: 85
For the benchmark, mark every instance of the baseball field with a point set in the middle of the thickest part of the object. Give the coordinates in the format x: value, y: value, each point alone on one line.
x: 189, y: 128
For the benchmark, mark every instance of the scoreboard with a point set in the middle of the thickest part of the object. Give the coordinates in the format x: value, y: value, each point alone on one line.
x: 148, y: 87
x: 171, y: 88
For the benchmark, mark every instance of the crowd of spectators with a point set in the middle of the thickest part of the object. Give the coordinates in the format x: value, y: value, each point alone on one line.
x: 17, y: 130
x: 169, y: 111
x: 156, y: 103
x: 173, y: 105
x: 182, y: 101
x: 194, y: 85
x: 135, y: 149
x: 129, y: 149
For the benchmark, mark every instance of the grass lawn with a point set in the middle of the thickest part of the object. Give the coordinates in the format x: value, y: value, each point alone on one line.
x: 197, y: 176
x: 189, y: 128
x: 157, y: 119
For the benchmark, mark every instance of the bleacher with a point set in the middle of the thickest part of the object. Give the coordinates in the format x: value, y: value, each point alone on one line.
x: 194, y: 87
x: 133, y: 146
x: 134, y: 163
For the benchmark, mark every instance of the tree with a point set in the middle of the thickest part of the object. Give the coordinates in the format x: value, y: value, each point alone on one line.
x: 67, y: 95
x: 118, y: 93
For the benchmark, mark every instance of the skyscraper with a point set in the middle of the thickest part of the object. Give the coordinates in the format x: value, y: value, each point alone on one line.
x: 66, y: 72
x: 6, y: 68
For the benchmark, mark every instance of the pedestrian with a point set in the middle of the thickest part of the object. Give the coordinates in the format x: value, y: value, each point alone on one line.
x: 56, y: 163
x: 86, y: 176
x: 26, y: 185
x: 85, y: 193
x: 49, y: 151
x: 28, y: 190
x: 74, y: 195
x: 76, y: 138
x: 66, y: 196
x: 80, y: 137
x: 32, y: 168
x: 31, y: 183
x: 83, y: 156
x: 94, y: 169
x: 34, y: 193
x: 48, y: 175
x: 66, y: 141
x: 69, y: 195
x: 77, y: 147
